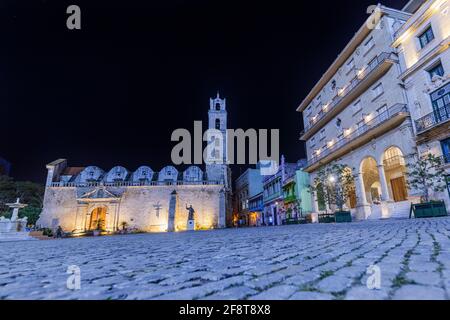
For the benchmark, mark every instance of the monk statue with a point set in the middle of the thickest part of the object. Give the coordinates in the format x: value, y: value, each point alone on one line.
x: 191, y: 212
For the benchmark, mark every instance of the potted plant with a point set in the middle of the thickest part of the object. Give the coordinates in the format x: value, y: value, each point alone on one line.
x: 334, y: 183
x: 427, y: 174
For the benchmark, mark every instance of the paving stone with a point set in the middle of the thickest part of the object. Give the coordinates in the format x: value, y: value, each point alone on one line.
x: 255, y: 263
x: 364, y: 293
x: 416, y: 292
x: 310, y: 295
x: 275, y: 293
x: 425, y: 278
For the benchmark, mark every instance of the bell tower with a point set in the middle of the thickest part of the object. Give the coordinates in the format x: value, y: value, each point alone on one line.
x: 219, y: 169
x: 217, y: 120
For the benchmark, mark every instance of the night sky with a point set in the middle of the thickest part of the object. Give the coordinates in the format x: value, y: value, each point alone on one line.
x: 113, y: 92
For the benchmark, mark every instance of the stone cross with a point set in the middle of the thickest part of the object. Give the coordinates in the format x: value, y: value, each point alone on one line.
x: 16, y: 206
x: 157, y: 207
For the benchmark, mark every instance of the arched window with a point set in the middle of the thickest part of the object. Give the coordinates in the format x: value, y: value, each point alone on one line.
x: 217, y: 106
x: 218, y: 124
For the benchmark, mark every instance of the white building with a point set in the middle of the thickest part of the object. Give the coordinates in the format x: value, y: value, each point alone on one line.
x: 357, y: 115
x: 423, y: 43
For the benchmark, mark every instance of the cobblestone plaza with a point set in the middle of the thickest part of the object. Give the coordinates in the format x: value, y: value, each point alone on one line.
x: 305, y: 262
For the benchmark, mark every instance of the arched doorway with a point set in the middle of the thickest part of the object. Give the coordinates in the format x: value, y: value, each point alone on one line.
x: 395, y: 171
x: 372, y: 186
x: 97, y: 220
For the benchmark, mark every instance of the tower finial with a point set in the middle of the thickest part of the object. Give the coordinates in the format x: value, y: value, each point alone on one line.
x: 218, y: 94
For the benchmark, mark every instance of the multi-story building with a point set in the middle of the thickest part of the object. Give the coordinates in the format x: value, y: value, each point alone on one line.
x: 296, y: 194
x: 423, y: 43
x: 5, y: 167
x: 248, y: 185
x: 256, y: 208
x: 357, y: 115
x: 273, y: 195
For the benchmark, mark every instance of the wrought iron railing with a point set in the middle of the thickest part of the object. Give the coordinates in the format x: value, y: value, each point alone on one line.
x: 363, y: 74
x: 133, y: 184
x: 369, y: 125
x: 434, y: 118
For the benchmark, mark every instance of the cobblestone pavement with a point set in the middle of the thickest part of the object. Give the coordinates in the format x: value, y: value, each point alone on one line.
x: 292, y: 262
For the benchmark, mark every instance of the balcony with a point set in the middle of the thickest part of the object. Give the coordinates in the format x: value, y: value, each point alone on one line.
x: 365, y: 78
x: 375, y: 127
x: 432, y: 123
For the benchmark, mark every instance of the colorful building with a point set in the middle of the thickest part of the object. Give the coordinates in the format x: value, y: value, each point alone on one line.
x: 273, y: 195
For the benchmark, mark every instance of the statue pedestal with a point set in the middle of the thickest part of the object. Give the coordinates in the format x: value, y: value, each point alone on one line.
x: 190, y: 225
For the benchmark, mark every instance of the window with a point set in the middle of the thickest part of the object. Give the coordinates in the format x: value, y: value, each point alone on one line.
x: 218, y: 124
x: 437, y: 70
x: 369, y: 44
x: 446, y: 150
x: 217, y: 106
x: 378, y: 90
x: 426, y: 37
x: 350, y: 65
x: 322, y: 134
x: 383, y: 113
x: 333, y: 85
x: 357, y: 107
x: 338, y: 123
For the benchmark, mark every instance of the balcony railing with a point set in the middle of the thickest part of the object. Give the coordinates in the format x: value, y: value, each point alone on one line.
x: 362, y: 75
x: 393, y: 162
x: 434, y: 118
x: 359, y: 132
x: 133, y: 184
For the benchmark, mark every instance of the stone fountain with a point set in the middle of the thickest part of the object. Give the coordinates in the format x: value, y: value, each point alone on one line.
x: 14, y: 229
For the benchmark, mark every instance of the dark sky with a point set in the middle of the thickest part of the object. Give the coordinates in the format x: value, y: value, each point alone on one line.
x: 113, y: 92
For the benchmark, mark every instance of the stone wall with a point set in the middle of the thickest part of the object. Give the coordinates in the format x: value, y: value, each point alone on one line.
x: 137, y: 206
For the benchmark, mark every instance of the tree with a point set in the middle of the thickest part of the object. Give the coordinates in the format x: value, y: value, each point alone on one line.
x: 427, y: 174
x: 29, y: 193
x: 334, y: 183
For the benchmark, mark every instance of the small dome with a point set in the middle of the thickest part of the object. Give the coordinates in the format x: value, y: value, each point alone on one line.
x: 143, y: 173
x: 90, y: 174
x: 193, y: 174
x: 168, y: 173
x: 116, y: 174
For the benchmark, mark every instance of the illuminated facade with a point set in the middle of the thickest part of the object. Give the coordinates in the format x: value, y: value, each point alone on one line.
x: 358, y: 115
x: 81, y: 199
x: 423, y: 44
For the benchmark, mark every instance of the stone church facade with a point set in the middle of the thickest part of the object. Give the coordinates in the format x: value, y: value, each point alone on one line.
x: 81, y: 199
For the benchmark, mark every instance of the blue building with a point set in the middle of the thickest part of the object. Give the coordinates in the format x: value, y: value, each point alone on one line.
x: 248, y: 186
x: 5, y: 167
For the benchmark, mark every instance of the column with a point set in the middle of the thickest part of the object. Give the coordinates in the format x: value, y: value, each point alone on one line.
x: 384, y: 186
x: 172, y: 208
x: 315, y: 202
x: 363, y: 209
